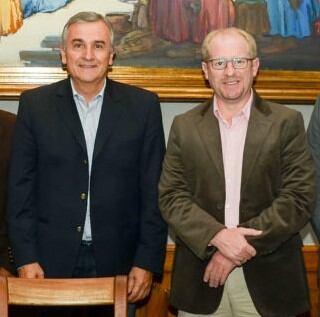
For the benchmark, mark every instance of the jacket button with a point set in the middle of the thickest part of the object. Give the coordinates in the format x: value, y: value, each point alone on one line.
x: 79, y: 228
x: 83, y: 196
x: 220, y: 206
x: 85, y: 162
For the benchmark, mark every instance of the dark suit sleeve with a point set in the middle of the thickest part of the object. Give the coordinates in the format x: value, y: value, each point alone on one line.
x: 21, y: 203
x: 314, y: 142
x: 7, y: 122
x: 153, y: 231
x: 291, y: 208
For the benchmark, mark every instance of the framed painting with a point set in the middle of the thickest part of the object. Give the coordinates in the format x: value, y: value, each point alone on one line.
x: 158, y: 43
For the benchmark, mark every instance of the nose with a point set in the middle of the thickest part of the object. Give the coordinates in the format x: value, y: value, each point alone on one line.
x: 88, y: 53
x: 229, y: 70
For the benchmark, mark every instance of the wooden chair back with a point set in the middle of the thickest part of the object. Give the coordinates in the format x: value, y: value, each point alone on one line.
x: 64, y: 292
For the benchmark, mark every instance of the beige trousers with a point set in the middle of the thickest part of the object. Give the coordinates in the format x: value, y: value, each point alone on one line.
x: 236, y: 300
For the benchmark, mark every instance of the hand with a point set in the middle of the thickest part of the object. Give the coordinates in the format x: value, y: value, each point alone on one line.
x: 139, y: 284
x: 5, y: 272
x: 217, y: 270
x: 32, y: 270
x: 233, y: 244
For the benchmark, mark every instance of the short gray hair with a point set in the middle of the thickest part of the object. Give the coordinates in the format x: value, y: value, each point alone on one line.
x: 86, y: 16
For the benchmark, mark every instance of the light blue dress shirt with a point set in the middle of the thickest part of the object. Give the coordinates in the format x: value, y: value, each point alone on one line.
x: 89, y: 114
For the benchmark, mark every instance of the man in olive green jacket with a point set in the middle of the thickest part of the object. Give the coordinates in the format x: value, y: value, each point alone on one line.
x: 237, y: 186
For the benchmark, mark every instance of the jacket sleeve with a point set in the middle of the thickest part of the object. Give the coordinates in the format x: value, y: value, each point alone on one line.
x: 21, y: 213
x: 313, y: 134
x: 291, y: 208
x: 192, y: 224
x: 151, y: 248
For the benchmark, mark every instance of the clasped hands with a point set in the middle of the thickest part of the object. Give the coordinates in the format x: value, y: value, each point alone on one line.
x: 233, y: 250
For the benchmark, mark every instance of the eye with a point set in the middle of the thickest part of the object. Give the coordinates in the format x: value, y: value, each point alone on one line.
x: 99, y: 45
x: 219, y: 62
x: 240, y: 61
x: 77, y: 45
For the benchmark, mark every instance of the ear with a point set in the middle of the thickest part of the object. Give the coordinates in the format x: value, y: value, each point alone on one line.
x: 255, y: 66
x: 205, y: 70
x: 111, y: 57
x: 63, y: 56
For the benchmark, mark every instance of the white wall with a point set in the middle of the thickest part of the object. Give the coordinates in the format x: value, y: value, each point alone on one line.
x: 169, y: 110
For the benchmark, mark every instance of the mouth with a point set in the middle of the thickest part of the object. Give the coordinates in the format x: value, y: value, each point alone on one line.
x: 87, y: 66
x: 231, y: 82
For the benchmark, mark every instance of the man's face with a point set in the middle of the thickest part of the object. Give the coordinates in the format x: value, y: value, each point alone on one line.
x: 231, y: 86
x: 87, y: 52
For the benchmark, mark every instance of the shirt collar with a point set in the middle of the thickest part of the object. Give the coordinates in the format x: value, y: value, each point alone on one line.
x: 77, y: 95
x: 245, y: 111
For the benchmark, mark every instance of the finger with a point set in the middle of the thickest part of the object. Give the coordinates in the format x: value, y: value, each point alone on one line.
x: 250, y: 251
x: 250, y: 231
x: 137, y: 293
x: 132, y: 295
x: 131, y: 282
x: 246, y: 253
x: 224, y: 276
x: 25, y: 273
x: 215, y: 277
x: 238, y: 261
x: 144, y: 293
x: 40, y: 275
x: 136, y: 290
x: 207, y: 272
x: 215, y: 282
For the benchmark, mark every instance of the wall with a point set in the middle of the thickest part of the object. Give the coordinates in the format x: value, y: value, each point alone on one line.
x: 171, y: 109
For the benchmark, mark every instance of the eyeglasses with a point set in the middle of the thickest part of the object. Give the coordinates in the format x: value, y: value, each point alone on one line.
x: 237, y: 62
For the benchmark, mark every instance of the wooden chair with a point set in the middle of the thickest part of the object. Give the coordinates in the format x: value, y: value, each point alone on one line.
x: 64, y: 292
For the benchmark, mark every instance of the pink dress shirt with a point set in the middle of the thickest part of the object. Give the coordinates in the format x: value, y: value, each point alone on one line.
x: 233, y: 137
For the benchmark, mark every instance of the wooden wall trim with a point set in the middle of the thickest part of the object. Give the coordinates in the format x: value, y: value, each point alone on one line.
x: 171, y: 84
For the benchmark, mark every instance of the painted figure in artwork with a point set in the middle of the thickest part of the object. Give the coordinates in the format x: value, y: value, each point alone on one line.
x: 290, y: 20
x: 252, y: 16
x: 12, y: 12
x: 11, y: 17
x: 189, y: 20
x: 33, y: 6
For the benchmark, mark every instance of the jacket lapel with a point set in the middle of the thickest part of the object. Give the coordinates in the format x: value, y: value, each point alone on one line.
x: 208, y: 127
x: 69, y: 114
x: 259, y: 126
x: 110, y: 114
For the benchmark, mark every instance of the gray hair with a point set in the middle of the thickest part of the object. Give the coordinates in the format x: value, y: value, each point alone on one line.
x: 248, y: 37
x: 86, y: 16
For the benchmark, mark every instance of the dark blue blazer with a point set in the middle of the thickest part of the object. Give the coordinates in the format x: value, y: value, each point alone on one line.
x: 48, y: 181
x: 7, y: 123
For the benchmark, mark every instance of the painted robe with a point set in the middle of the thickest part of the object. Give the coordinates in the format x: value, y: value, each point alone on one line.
x: 189, y: 20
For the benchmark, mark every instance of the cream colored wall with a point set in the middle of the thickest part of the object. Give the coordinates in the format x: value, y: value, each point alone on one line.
x: 169, y: 110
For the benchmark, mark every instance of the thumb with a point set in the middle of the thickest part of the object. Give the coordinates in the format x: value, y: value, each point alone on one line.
x: 131, y: 281
x: 250, y: 231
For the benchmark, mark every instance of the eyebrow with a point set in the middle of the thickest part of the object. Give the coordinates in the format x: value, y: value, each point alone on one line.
x: 95, y: 42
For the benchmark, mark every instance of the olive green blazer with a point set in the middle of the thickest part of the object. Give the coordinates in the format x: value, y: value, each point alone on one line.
x: 277, y: 194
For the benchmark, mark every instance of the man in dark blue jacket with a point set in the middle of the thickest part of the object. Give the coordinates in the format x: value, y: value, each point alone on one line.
x: 87, y: 154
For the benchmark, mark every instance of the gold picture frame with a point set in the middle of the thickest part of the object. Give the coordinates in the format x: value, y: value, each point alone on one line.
x: 171, y: 84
